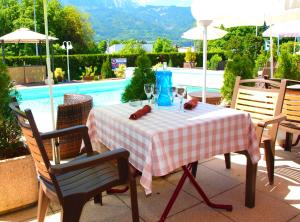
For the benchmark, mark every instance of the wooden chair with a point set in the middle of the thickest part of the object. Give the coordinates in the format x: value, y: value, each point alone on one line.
x: 73, y: 112
x: 291, y: 108
x: 264, y: 106
x: 74, y: 183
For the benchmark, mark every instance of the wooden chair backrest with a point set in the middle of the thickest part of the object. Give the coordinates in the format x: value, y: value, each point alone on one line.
x: 261, y: 103
x: 291, y: 104
x: 34, y: 143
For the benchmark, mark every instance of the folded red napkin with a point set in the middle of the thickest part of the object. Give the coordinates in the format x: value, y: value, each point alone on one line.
x: 141, y: 112
x: 191, y: 104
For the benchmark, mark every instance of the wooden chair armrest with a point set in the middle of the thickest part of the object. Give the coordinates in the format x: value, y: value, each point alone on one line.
x: 81, y: 129
x: 89, y: 161
x: 276, y: 119
x: 63, y: 132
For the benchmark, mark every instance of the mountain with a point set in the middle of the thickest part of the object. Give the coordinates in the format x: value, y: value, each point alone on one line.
x: 126, y: 19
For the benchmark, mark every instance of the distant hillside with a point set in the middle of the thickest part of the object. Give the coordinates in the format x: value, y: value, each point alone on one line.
x: 125, y: 19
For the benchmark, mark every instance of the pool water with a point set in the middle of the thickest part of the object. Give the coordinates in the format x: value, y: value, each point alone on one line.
x: 103, y: 93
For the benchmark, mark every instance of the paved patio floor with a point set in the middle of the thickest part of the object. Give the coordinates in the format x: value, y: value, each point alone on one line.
x: 280, y: 202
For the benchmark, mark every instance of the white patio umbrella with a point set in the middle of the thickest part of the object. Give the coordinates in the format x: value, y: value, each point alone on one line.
x: 196, y: 33
x: 231, y: 13
x: 284, y: 29
x: 204, y: 33
x: 25, y: 35
x: 50, y: 79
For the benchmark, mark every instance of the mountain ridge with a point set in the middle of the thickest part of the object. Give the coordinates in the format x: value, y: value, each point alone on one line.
x: 126, y: 19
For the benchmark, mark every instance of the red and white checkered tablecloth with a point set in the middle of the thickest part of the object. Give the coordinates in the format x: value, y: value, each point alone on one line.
x: 167, y: 139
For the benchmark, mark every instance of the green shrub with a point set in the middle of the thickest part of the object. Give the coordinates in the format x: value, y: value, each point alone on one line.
x: 190, y: 56
x: 89, y: 73
x: 79, y: 62
x: 142, y: 75
x: 170, y: 63
x: 106, y: 70
x: 240, y: 65
x: 120, y: 71
x: 59, y: 74
x: 10, y: 134
x: 287, y: 68
x: 214, y: 62
x: 260, y: 62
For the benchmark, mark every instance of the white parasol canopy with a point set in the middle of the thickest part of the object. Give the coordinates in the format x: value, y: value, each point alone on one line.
x: 24, y: 35
x: 196, y: 33
x: 284, y: 29
x: 231, y: 13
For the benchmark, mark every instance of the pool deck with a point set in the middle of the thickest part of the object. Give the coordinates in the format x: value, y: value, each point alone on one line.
x: 277, y: 203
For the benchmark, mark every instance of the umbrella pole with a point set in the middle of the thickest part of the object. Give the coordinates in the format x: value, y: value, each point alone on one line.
x: 271, y: 54
x: 54, y: 148
x: 295, y: 45
x: 204, y: 62
x: 278, y: 46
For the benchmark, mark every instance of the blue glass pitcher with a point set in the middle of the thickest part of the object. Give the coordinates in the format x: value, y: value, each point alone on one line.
x: 164, y: 82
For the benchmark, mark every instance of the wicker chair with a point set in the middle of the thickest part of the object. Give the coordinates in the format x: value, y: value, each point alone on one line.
x: 73, y: 112
x: 74, y: 183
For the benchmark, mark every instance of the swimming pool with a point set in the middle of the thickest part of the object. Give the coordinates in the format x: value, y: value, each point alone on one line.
x: 103, y: 92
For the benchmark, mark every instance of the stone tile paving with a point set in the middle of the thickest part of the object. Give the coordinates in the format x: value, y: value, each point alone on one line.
x: 280, y: 202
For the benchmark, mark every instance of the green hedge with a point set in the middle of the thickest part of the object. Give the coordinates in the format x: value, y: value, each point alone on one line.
x: 78, y: 62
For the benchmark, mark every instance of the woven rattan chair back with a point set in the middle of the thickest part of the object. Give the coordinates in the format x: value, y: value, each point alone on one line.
x: 73, y: 112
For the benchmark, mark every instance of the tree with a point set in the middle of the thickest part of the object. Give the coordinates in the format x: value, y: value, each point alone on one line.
x: 65, y: 23
x: 102, y: 46
x: 142, y: 74
x: 106, y: 70
x: 132, y: 47
x: 240, y: 65
x: 163, y: 45
x: 287, y: 68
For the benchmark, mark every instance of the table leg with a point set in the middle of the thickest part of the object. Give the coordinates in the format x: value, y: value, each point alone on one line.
x: 251, y: 171
x: 187, y: 172
x: 194, y: 168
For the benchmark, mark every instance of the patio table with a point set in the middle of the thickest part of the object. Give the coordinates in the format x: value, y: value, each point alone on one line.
x: 167, y: 139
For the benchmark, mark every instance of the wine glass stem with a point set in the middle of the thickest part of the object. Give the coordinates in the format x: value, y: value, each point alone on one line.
x: 181, y: 100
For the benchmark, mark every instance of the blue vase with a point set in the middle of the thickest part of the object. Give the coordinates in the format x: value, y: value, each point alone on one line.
x: 164, y: 82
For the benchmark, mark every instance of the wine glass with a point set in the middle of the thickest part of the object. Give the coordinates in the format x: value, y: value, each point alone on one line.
x: 148, y: 88
x: 181, y: 93
x: 173, y: 93
x: 156, y: 92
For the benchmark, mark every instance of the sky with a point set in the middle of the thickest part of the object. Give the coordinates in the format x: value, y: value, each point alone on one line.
x: 166, y: 2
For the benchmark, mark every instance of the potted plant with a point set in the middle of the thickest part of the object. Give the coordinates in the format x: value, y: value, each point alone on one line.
x: 18, y: 184
x: 120, y: 71
x: 190, y: 59
x: 89, y: 73
x: 59, y: 74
